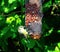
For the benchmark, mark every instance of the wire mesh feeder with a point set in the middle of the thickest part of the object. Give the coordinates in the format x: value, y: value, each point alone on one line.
x: 33, y: 19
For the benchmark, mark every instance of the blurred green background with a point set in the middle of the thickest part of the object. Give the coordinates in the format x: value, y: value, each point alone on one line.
x: 12, y: 15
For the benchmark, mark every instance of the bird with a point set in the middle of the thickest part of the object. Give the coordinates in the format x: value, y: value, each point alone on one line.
x: 23, y: 31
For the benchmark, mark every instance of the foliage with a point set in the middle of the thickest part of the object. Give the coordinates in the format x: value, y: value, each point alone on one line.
x: 12, y: 15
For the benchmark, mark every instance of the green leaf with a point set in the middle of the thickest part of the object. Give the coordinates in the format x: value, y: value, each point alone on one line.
x: 4, y: 31
x: 57, y: 49
x: 58, y: 31
x: 30, y: 43
x: 18, y: 21
x: 58, y: 44
x: 36, y: 49
x: 10, y: 19
x: 6, y: 9
x: 14, y: 35
x: 24, y: 41
x: 11, y: 1
x: 2, y: 3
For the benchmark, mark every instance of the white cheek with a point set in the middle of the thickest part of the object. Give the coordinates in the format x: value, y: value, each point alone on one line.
x: 20, y: 30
